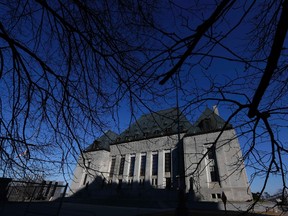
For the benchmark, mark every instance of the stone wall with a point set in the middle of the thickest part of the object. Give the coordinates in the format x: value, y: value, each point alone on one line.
x: 232, y: 175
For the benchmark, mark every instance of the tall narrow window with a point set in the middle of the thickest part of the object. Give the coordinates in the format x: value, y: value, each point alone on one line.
x: 205, y: 125
x: 211, y: 153
x: 112, y: 167
x: 121, y: 168
x: 88, y: 164
x: 86, y: 172
x: 154, y: 182
x: 154, y: 164
x: 168, y: 162
x: 119, y: 184
x: 214, y: 174
x: 168, y: 183
x: 143, y: 165
x: 213, y: 164
x: 132, y: 165
x: 85, y: 179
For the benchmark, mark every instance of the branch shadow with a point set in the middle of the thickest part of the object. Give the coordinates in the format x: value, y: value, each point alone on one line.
x: 141, y: 195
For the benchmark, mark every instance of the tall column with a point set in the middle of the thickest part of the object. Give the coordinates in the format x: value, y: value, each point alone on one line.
x: 160, y: 174
x: 137, y: 167
x: 116, y: 169
x: 148, y: 167
x: 126, y: 168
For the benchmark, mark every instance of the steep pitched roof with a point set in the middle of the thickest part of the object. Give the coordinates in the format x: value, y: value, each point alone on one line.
x: 155, y: 124
x: 161, y: 123
x: 103, y: 142
x: 208, y: 122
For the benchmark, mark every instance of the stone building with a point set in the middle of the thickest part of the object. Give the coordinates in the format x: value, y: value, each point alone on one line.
x: 164, y: 151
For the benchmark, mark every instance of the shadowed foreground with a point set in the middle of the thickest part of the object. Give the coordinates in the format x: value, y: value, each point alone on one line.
x: 75, y: 209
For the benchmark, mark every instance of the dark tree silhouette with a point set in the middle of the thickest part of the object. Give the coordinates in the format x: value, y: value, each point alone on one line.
x: 66, y: 67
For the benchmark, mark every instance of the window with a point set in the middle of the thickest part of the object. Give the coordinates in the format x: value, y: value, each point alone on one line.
x: 88, y: 165
x: 85, y: 179
x: 95, y: 145
x: 142, y: 182
x: 168, y: 162
x: 214, y: 196
x: 119, y: 184
x: 191, y: 183
x: 122, y: 162
x: 168, y: 183
x: 211, y: 153
x: 205, y: 124
x: 154, y: 164
x: 214, y: 176
x: 132, y: 165
x: 143, y: 165
x: 130, y: 182
x: 86, y: 175
x: 213, y: 168
x: 112, y: 167
x: 157, y: 132
x: 154, y: 182
x: 169, y: 129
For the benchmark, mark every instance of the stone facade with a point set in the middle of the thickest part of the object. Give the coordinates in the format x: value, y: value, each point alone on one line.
x: 157, y: 150
x: 231, y: 179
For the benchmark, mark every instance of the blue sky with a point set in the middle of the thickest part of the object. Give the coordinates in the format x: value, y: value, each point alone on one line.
x: 200, y: 74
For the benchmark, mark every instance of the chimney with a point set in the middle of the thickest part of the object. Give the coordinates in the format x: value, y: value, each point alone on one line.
x: 215, y: 110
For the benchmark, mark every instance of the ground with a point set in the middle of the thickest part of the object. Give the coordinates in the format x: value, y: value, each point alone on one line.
x: 75, y: 209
